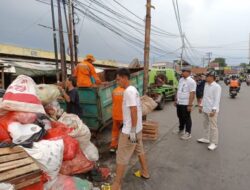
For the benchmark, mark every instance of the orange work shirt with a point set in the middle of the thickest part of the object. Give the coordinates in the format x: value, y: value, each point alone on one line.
x: 117, y: 97
x: 83, y: 73
x: 234, y: 83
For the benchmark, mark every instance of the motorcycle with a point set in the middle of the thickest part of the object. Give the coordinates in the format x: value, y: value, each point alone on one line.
x: 226, y: 81
x: 233, y: 92
x: 248, y: 82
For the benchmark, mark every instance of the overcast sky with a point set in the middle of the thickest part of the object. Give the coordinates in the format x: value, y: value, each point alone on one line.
x: 218, y: 26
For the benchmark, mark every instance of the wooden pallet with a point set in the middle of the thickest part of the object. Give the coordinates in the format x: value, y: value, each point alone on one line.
x: 150, y: 130
x: 18, y: 168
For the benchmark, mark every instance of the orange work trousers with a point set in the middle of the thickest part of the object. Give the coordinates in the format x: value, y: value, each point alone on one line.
x: 117, y: 124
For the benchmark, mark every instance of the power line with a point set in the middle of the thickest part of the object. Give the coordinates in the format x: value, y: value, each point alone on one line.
x: 91, y: 15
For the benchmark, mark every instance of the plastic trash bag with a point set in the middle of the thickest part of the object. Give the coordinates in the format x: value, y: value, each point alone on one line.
x: 48, y: 155
x: 22, y: 132
x: 91, y: 152
x: 21, y: 96
x: 80, y: 131
x: 148, y: 105
x: 6, y: 186
x: 60, y: 131
x: 24, y: 117
x: 64, y: 182
x: 47, y: 93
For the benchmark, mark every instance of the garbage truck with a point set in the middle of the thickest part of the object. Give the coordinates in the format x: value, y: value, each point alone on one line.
x: 163, y: 84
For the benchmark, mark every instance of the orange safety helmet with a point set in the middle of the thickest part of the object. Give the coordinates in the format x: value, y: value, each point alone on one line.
x: 89, y: 57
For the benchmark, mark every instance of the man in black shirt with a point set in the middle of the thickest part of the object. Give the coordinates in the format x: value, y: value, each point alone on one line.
x: 71, y: 97
x: 200, y: 88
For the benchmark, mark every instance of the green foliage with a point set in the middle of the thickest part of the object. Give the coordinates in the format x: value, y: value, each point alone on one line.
x: 221, y: 61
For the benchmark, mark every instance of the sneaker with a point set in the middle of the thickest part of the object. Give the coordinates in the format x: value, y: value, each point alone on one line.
x: 203, y: 140
x: 186, y: 136
x: 178, y: 132
x: 212, y: 146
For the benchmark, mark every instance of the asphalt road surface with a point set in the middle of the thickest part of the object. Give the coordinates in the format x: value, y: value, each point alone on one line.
x: 186, y: 165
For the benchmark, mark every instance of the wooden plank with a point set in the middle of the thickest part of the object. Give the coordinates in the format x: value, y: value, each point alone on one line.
x: 15, y: 164
x: 150, y: 130
x: 24, y: 177
x: 28, y: 182
x: 17, y: 172
x: 150, y: 123
x: 149, y: 136
x: 149, y: 139
x: 149, y: 133
x: 10, y: 157
x: 15, y: 149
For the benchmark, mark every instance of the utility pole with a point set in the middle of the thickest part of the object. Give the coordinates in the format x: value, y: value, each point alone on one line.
x: 209, y: 54
x: 203, y: 59
x: 70, y: 36
x: 76, y: 41
x: 147, y: 46
x: 62, y: 45
x: 55, y: 41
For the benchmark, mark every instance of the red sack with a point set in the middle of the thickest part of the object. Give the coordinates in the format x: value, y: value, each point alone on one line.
x: 39, y: 185
x: 4, y: 122
x: 21, y: 96
x: 71, y: 147
x: 4, y: 135
x: 80, y: 164
x: 58, y: 130
x: 36, y: 186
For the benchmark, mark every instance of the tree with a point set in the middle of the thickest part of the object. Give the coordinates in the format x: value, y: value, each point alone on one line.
x: 243, y: 65
x: 221, y: 61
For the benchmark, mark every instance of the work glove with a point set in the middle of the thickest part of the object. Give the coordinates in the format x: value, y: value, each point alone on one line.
x: 132, y: 135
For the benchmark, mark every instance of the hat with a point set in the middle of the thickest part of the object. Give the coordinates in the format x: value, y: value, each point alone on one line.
x: 211, y: 73
x: 90, y: 57
x: 186, y: 69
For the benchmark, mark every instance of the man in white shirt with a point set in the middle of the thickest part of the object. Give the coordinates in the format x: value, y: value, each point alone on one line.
x: 210, y: 109
x: 184, y: 103
x: 130, y: 139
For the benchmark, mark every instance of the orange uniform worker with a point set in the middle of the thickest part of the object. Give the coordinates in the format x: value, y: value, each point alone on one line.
x: 117, y: 97
x: 84, y: 71
x: 234, y: 83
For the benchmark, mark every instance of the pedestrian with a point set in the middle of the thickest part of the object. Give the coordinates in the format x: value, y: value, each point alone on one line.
x: 200, y: 82
x: 130, y: 139
x: 85, y: 72
x: 210, y: 109
x: 117, y: 98
x: 71, y: 97
x: 184, y: 103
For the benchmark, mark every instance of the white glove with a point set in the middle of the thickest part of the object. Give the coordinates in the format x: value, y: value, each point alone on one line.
x: 132, y: 135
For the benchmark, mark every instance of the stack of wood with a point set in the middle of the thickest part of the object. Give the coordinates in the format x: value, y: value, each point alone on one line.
x: 150, y: 130
x: 18, y: 168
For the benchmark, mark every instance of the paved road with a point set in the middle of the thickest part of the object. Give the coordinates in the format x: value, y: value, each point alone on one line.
x: 178, y: 165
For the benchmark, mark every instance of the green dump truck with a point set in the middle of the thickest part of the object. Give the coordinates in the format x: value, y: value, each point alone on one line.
x: 96, y: 102
x: 163, y: 85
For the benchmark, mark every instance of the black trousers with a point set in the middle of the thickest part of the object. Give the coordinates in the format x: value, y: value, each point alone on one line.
x: 184, y: 118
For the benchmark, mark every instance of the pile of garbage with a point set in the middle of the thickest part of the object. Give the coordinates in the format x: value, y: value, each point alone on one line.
x: 59, y: 142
